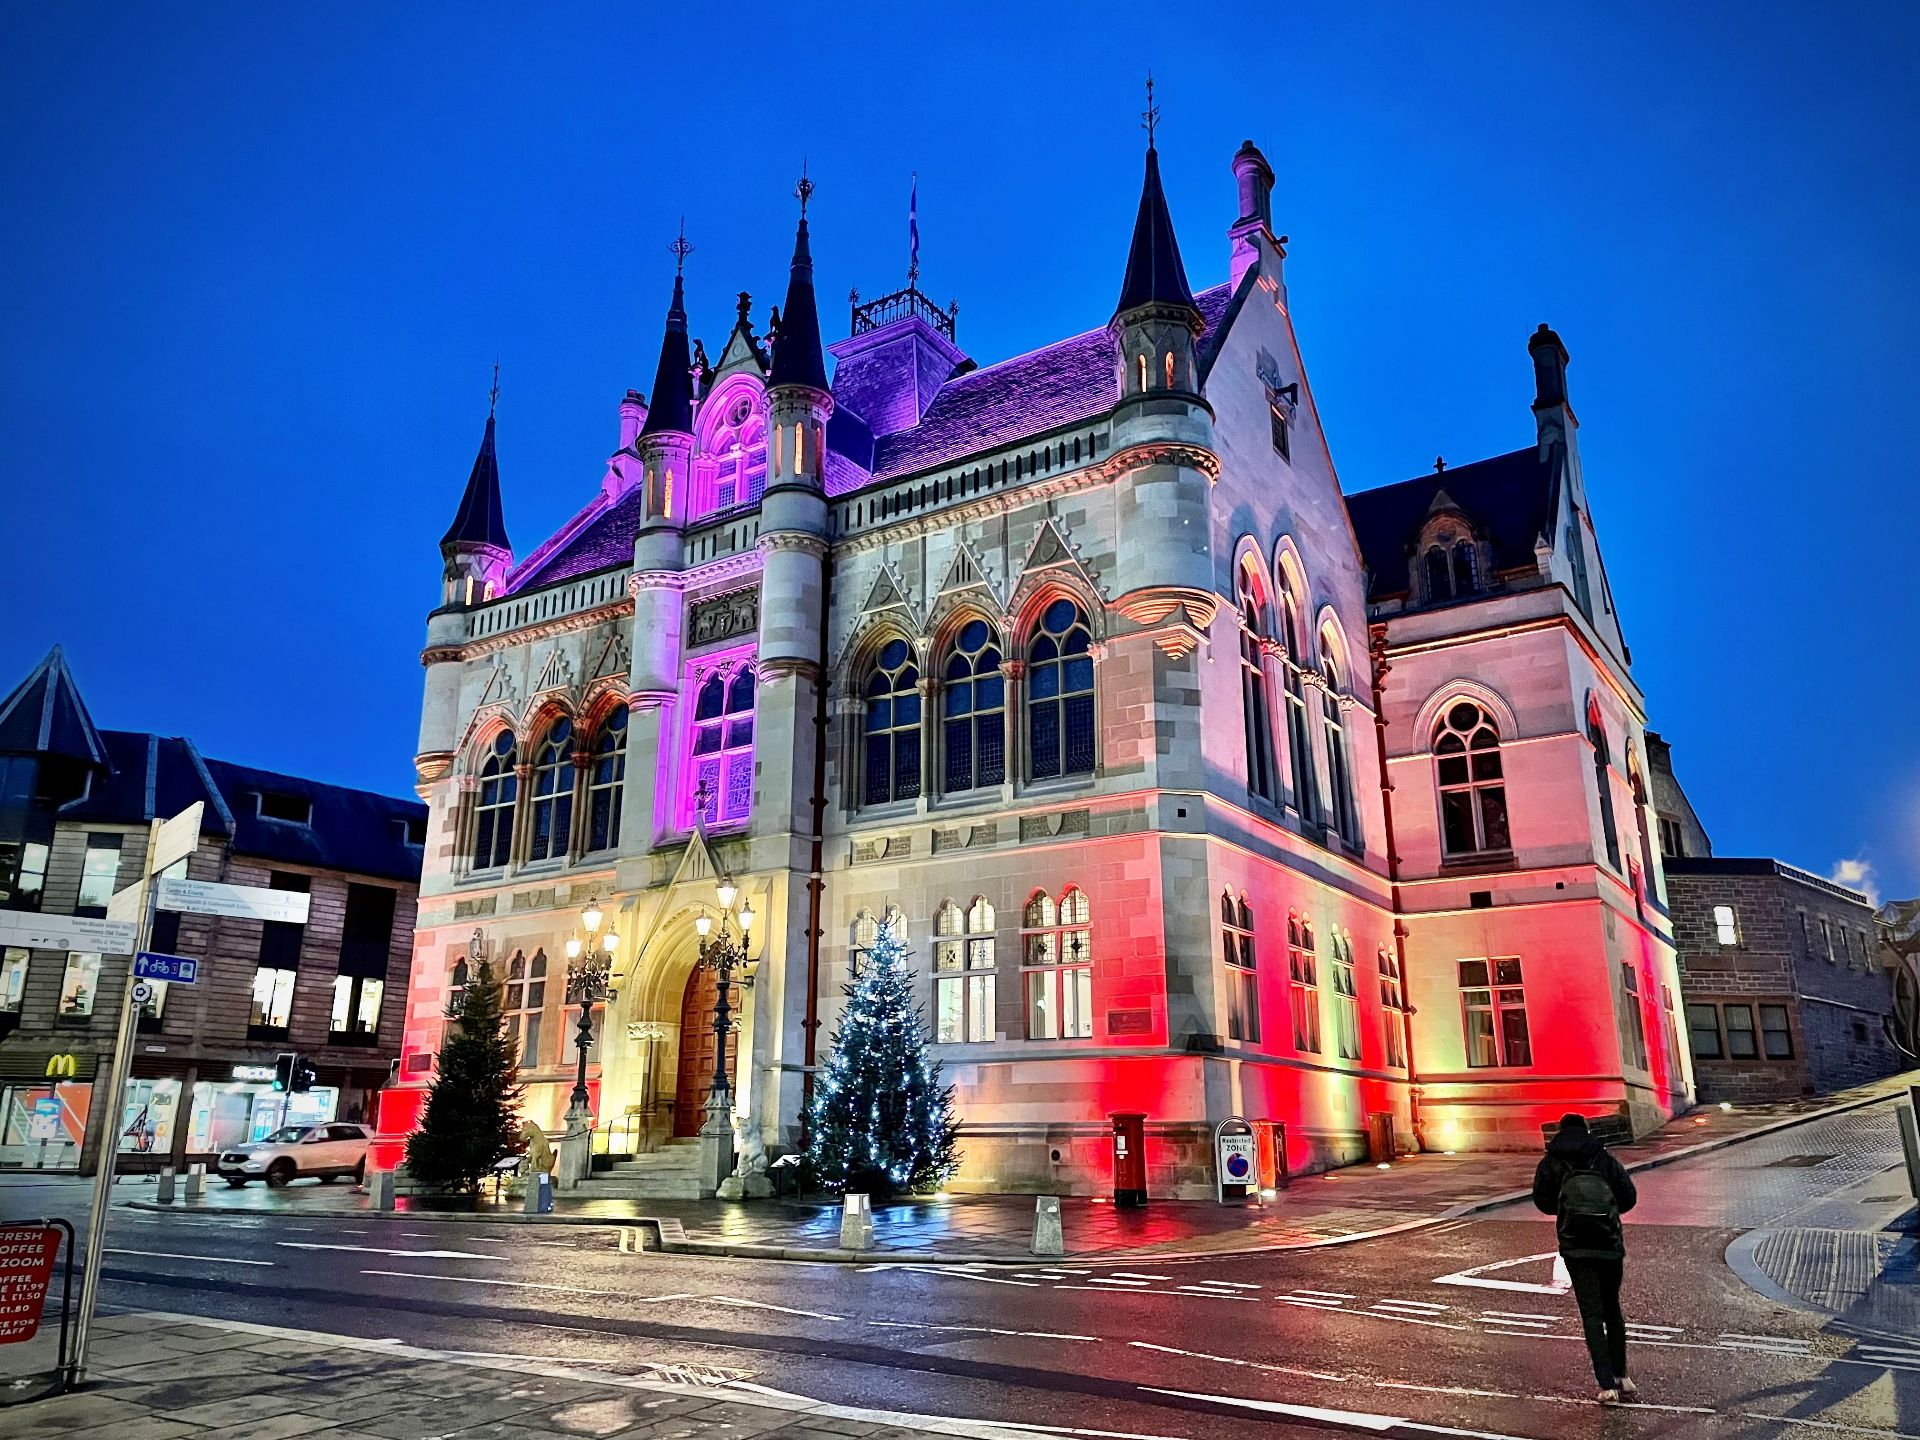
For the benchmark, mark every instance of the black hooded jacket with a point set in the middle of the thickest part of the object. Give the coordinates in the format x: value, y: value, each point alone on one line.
x: 1577, y: 1149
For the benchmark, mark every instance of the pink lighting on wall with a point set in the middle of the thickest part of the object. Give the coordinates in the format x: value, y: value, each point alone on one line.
x: 716, y: 774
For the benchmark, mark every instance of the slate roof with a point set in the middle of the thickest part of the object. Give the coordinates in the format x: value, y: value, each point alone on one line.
x: 1059, y: 384
x: 480, y: 520
x: 1510, y: 499
x: 46, y: 716
x: 1154, y: 272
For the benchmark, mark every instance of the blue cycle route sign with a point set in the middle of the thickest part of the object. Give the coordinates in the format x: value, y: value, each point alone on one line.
x: 174, y: 969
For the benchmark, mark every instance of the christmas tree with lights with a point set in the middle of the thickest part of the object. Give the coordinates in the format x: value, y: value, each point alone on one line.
x: 473, y: 1105
x: 881, y: 1121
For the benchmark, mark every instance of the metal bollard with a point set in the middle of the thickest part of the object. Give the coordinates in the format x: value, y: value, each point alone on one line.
x: 1048, y: 1236
x: 856, y: 1222
x: 196, y: 1182
x: 163, y: 1192
x: 380, y: 1189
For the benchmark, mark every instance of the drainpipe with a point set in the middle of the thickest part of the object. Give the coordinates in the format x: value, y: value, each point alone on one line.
x: 816, y: 877
x: 1377, y: 651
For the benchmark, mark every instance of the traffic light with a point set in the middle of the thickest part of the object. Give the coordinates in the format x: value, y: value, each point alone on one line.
x: 284, y: 1065
x: 303, y: 1075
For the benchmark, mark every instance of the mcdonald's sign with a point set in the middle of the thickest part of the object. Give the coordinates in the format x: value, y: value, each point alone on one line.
x: 62, y: 1066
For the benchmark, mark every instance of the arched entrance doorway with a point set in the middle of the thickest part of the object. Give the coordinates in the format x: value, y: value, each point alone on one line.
x: 697, y: 1051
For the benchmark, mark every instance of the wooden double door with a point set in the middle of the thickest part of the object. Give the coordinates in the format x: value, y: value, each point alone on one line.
x: 698, y: 1048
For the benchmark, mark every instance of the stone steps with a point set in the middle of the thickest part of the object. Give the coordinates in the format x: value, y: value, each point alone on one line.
x: 670, y: 1173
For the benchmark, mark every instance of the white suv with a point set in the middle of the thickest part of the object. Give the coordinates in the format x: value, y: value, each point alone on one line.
x: 295, y: 1150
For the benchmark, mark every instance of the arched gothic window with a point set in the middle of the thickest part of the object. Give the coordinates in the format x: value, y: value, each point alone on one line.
x: 1256, y: 628
x: 1451, y: 572
x: 963, y: 972
x: 1306, y: 796
x: 606, y: 780
x: 1473, y: 789
x: 1639, y: 785
x: 1303, y: 985
x: 552, y: 794
x: 1243, y: 987
x: 723, y: 746
x: 525, y: 1004
x: 866, y: 931
x: 1056, y: 964
x: 1603, y: 784
x: 893, y: 726
x: 493, y: 804
x: 973, y: 705
x: 457, y: 983
x: 1345, y: 817
x: 1060, y: 693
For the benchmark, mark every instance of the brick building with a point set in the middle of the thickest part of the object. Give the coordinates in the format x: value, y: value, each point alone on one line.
x: 74, y: 811
x: 1081, y: 664
x: 1787, y: 990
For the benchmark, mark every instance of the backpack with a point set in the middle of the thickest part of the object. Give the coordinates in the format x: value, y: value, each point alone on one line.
x: 1589, y: 1217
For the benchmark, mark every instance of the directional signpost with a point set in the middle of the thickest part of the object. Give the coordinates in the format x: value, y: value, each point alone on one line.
x: 174, y: 969
x: 32, y: 931
x: 240, y: 902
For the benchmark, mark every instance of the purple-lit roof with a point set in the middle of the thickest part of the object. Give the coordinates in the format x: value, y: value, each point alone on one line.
x: 1059, y: 384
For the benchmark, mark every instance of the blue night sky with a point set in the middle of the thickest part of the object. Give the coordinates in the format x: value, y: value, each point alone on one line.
x: 255, y: 267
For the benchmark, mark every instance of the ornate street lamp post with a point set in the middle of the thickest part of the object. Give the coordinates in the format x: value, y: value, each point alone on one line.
x: 723, y: 948
x: 589, y: 970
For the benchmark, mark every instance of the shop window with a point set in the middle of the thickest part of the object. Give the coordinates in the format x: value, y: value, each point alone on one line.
x: 1346, y: 999
x: 1057, y: 967
x: 146, y: 1121
x: 13, y: 978
x: 79, y: 987
x: 98, y: 871
x: 1494, y: 1008
x: 1303, y: 985
x: 963, y: 963
x: 1393, y: 1004
x: 1243, y: 983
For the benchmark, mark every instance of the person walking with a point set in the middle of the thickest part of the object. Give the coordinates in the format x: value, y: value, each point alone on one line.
x: 1587, y: 1191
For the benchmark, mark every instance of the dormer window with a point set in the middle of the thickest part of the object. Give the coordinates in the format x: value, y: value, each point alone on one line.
x: 293, y: 809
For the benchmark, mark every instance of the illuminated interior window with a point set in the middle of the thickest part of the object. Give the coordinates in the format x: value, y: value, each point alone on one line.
x: 1303, y: 985
x: 606, y: 781
x: 1243, y: 984
x: 963, y: 964
x: 973, y: 711
x: 1057, y: 967
x: 1169, y: 369
x: 892, y: 726
x: 13, y: 978
x: 1726, y: 927
x: 1141, y: 364
x: 493, y: 804
x: 721, y: 774
x: 1060, y: 735
x: 1256, y: 630
x: 553, y: 777
x: 79, y: 986
x: 1473, y: 789
x: 1493, y: 1002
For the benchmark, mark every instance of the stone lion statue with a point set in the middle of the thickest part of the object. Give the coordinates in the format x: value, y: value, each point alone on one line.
x: 539, y: 1152
x: 749, y: 1148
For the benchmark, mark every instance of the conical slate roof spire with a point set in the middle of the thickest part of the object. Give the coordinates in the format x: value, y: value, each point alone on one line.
x: 797, y: 356
x: 1154, y: 272
x: 46, y: 716
x: 479, y: 520
x: 670, y: 407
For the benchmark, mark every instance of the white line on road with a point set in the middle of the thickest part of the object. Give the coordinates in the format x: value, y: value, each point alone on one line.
x: 978, y: 1330
x: 1230, y: 1360
x: 1352, y: 1419
x: 1116, y: 1280
x: 176, y: 1255
x: 1136, y: 1275
x: 1518, y: 1315
x: 1190, y: 1293
x: 1311, y: 1303
x: 475, y: 1280
x: 957, y: 1274
x: 1418, y: 1307
x: 378, y: 1250
x: 763, y: 1305
x: 1326, y: 1294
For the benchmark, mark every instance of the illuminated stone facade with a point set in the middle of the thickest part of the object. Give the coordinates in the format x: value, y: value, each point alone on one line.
x: 1080, y: 663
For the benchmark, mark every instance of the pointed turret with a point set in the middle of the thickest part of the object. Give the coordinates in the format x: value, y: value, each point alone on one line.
x: 1155, y: 275
x: 45, y: 716
x: 475, y: 548
x: 670, y: 409
x: 797, y: 356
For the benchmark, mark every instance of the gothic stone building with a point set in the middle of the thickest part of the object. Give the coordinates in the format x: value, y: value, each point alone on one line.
x: 1082, y: 666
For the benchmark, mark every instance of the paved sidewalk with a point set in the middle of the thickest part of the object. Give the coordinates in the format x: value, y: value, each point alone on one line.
x: 1327, y: 1209
x: 162, y: 1377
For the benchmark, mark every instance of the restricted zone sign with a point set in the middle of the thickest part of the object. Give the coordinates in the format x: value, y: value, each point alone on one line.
x: 26, y: 1265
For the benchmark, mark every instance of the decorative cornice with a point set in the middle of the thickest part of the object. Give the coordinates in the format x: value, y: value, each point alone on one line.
x: 1175, y: 617
x: 1086, y: 477
x: 431, y: 766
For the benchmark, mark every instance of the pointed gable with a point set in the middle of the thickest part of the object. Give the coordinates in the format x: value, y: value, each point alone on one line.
x: 1155, y: 275
x: 1509, y: 499
x: 480, y: 520
x: 46, y: 716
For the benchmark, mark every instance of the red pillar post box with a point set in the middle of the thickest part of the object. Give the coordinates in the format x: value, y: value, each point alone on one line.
x: 1129, y: 1158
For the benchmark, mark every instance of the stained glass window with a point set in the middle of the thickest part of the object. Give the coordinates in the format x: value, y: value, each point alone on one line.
x: 723, y: 745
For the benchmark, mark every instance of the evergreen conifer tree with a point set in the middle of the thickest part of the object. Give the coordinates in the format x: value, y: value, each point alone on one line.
x: 472, y: 1114
x: 881, y: 1121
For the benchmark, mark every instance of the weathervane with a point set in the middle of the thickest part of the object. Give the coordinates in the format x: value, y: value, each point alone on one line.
x: 1151, y: 115
x: 493, y: 403
x: 680, y: 248
x: 804, y: 190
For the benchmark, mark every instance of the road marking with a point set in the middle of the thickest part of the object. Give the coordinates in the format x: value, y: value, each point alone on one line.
x: 476, y: 1280
x: 1352, y: 1419
x: 1310, y: 1303
x: 1475, y: 1276
x: 1136, y: 1275
x: 1827, y: 1425
x: 176, y: 1255
x: 959, y: 1274
x: 377, y: 1250
x: 1116, y: 1280
x: 1635, y: 1327
x: 1326, y: 1294
x: 1518, y: 1315
x: 1191, y: 1293
x: 978, y: 1330
x: 1418, y: 1307
x: 1405, y: 1319
x: 763, y: 1305
x: 1230, y: 1360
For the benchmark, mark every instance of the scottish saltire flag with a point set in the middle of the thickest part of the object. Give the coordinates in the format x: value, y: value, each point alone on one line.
x: 913, y: 228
